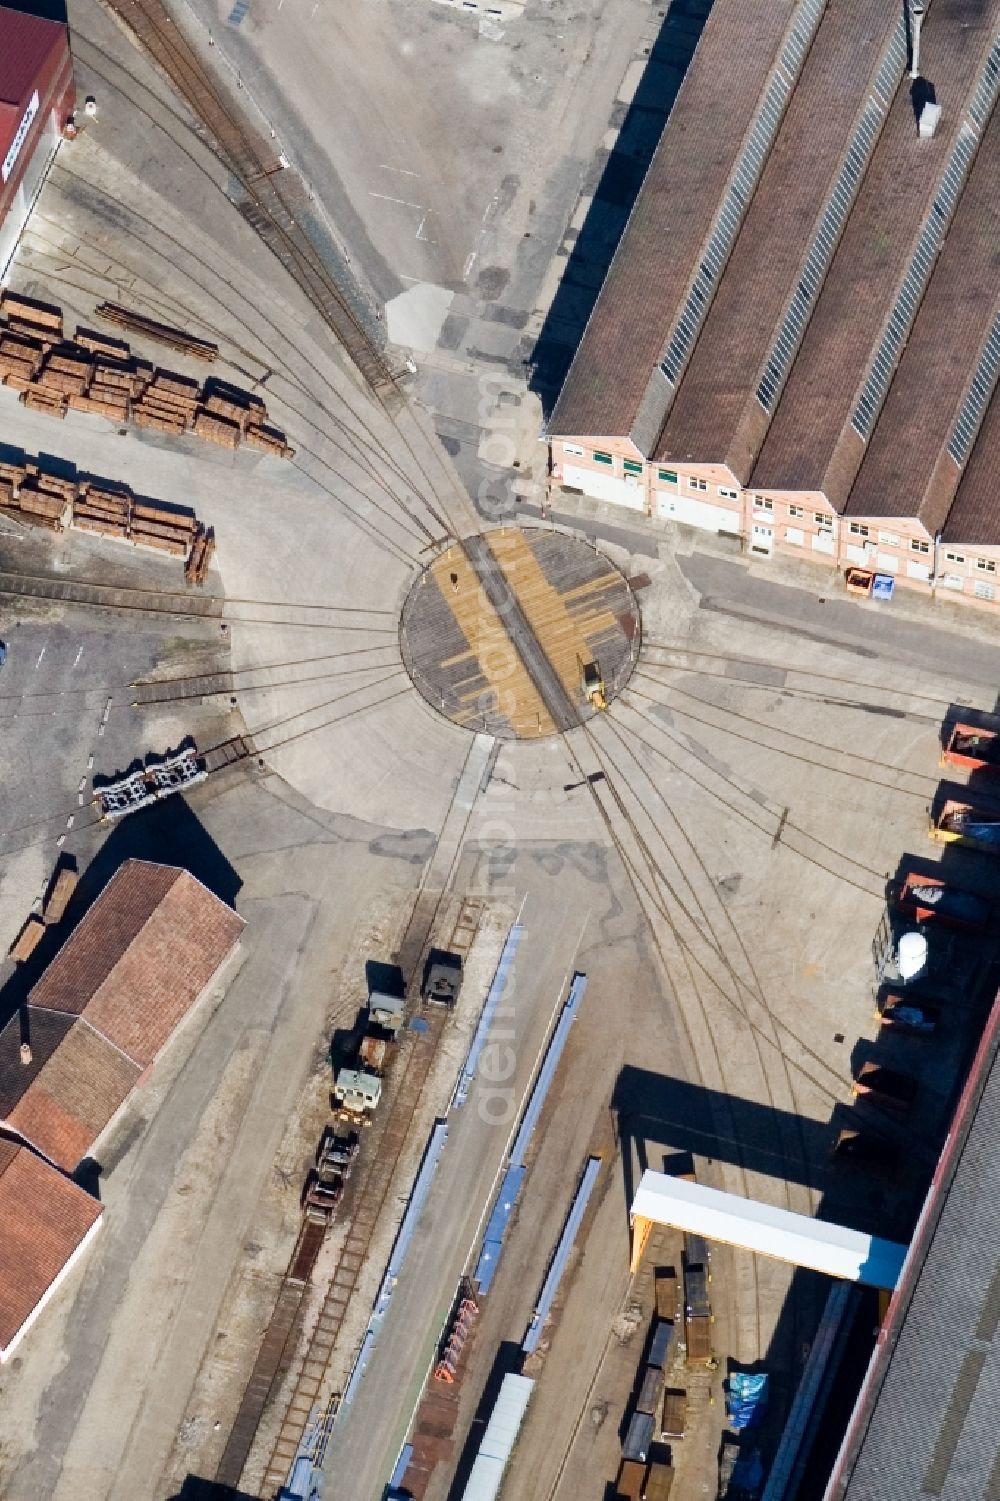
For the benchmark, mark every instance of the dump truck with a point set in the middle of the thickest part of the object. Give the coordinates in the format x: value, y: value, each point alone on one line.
x: 870, y: 1153
x: 974, y: 745
x: 592, y: 684
x: 888, y: 1087
x: 442, y: 978
x: 673, y: 1418
x: 928, y: 898
x: 956, y: 819
x: 907, y: 1014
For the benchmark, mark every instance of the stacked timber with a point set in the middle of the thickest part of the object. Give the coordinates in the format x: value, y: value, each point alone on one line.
x: 268, y: 440
x: 98, y: 373
x: 43, y: 399
x: 157, y: 526
x: 40, y: 320
x: 97, y: 509
x: 200, y: 556
x: 45, y: 498
x: 216, y: 429
x: 167, y: 403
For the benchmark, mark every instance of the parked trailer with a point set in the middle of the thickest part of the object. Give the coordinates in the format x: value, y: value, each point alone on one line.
x: 639, y: 1438
x: 659, y: 1346
x: 927, y: 898
x: 698, y: 1338
x: 888, y: 1087
x: 648, y: 1399
x: 57, y: 900
x: 659, y: 1482
x: 673, y: 1419
x: 631, y: 1480
x: 870, y: 1153
x: 974, y: 746
x: 913, y: 1017
x: 666, y: 1293
x: 958, y: 820
x: 372, y: 1054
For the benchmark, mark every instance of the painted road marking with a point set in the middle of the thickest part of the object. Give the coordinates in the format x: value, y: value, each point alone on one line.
x: 76, y: 659
x: 40, y: 656
x: 405, y: 202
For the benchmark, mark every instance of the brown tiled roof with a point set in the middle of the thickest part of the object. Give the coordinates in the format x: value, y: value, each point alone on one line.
x: 107, y: 1005
x: 716, y: 400
x: 43, y: 1219
x: 114, y: 922
x: 649, y: 276
x: 161, y: 975
x: 810, y: 445
x: 907, y: 470
x: 46, y: 1032
x: 140, y: 957
x: 69, y: 1101
x: 975, y: 513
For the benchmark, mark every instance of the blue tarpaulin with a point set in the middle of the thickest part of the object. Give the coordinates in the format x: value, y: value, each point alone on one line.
x: 746, y: 1399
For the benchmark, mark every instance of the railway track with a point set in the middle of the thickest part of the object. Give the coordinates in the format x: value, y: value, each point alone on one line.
x: 382, y: 1151
x: 371, y: 1183
x: 112, y: 596
x: 266, y: 206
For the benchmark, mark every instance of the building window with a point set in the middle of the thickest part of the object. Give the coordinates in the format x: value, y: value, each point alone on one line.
x: 601, y: 458
x: 955, y: 557
x: 822, y: 519
x: 917, y: 546
x: 857, y: 529
x: 697, y: 484
x: 986, y: 565
x: 888, y: 539
x: 762, y: 503
x: 631, y: 467
x: 796, y: 511
x: 667, y: 476
x: 729, y: 494
x: 574, y: 449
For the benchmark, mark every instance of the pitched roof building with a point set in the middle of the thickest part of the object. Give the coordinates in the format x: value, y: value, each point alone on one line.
x: 46, y: 1223
x: 925, y: 1423
x: 36, y: 100
x: 801, y: 323
x: 127, y: 976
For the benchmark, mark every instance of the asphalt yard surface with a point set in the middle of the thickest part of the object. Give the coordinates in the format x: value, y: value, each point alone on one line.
x: 712, y: 851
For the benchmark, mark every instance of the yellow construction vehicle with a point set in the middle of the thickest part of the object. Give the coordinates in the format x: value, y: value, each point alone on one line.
x: 592, y: 684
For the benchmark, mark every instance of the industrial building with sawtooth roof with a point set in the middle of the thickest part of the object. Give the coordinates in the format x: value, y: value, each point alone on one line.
x: 798, y: 338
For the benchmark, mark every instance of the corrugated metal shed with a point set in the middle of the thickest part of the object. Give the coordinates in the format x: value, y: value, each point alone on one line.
x: 795, y: 1238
